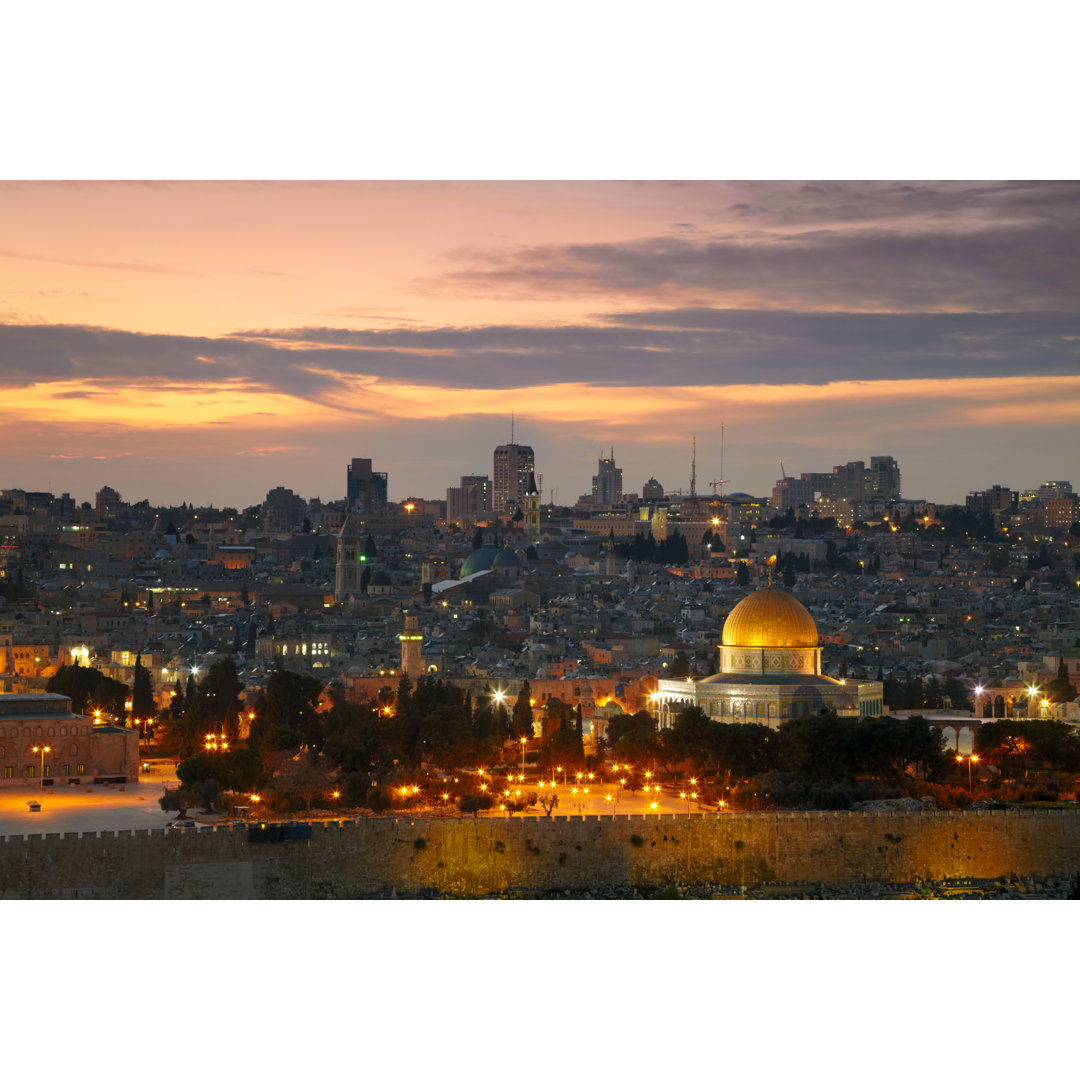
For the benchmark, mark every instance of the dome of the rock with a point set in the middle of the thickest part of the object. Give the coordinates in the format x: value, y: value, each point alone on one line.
x: 770, y: 619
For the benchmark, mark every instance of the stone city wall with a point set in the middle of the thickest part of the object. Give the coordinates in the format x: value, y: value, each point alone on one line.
x: 463, y: 857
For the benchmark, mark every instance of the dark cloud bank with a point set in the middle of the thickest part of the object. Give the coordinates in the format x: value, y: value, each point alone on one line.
x: 690, y: 346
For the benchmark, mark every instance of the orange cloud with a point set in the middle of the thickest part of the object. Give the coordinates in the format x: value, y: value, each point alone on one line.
x: 652, y: 414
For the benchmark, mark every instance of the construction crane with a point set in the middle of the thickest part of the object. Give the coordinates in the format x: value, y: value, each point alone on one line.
x: 714, y: 484
x: 782, y: 473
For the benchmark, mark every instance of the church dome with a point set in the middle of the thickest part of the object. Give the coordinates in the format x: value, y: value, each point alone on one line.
x: 490, y: 558
x: 770, y: 619
x: 507, y: 559
x: 480, y: 559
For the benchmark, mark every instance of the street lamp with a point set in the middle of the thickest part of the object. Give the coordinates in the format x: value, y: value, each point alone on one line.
x: 216, y: 741
x: 43, y: 750
x: 524, y: 740
x: 970, y: 759
x: 1032, y: 691
x: 978, y: 691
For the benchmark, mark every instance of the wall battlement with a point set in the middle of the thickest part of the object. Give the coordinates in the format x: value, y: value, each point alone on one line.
x: 478, y: 857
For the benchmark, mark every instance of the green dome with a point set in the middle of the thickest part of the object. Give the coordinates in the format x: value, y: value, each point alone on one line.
x: 490, y: 558
x: 481, y: 559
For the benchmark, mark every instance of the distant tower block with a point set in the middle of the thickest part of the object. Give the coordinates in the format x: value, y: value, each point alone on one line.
x: 411, y: 639
x: 425, y: 580
x: 532, y: 511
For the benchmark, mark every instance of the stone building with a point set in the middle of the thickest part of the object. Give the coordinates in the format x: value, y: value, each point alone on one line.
x: 770, y: 670
x: 43, y: 742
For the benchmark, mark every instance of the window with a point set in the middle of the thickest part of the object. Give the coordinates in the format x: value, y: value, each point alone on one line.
x: 31, y: 772
x: 74, y: 751
x: 63, y: 731
x: 47, y: 771
x: 9, y: 772
x: 67, y: 770
x: 80, y: 769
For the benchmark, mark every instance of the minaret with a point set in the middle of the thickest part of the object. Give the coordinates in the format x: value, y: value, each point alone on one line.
x: 411, y: 639
x: 532, y: 511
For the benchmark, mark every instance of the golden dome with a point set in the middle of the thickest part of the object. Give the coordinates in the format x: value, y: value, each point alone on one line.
x: 770, y: 619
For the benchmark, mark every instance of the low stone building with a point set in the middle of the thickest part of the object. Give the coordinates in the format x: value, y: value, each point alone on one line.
x: 43, y: 741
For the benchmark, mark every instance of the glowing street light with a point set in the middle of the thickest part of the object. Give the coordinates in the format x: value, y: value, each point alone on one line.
x: 42, y: 750
x: 1032, y: 692
x: 524, y: 740
x: 970, y: 759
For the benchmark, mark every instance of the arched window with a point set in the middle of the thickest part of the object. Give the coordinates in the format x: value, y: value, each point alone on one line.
x: 74, y: 750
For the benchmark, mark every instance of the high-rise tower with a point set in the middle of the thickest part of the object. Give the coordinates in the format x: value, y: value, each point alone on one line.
x: 366, y: 490
x: 512, y: 468
x: 607, y: 483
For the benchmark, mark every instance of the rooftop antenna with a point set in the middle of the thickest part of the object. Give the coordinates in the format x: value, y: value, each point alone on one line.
x: 693, y: 471
x: 511, y: 427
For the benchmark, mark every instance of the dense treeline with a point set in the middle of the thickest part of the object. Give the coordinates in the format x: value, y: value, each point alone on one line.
x: 821, y: 746
x: 671, y: 551
x: 931, y: 693
x: 89, y: 689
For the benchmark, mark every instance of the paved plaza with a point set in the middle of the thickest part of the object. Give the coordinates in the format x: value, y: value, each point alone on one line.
x: 89, y: 807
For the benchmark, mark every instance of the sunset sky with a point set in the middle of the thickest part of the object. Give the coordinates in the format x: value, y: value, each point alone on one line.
x: 209, y: 341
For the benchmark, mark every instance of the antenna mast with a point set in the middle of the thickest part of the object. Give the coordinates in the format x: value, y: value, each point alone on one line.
x: 693, y: 470
x: 511, y: 427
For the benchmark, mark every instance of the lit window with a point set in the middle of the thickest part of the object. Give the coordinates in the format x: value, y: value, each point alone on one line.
x: 80, y: 769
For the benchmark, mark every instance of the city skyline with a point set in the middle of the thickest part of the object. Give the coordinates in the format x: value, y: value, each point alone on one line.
x: 152, y: 333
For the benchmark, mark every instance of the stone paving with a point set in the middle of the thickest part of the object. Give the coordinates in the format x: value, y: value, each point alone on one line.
x: 89, y: 807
